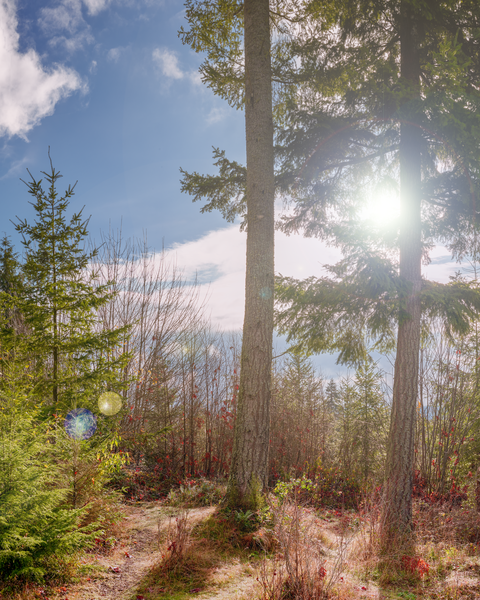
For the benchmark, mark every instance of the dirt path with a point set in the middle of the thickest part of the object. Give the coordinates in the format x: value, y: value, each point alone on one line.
x: 118, y: 574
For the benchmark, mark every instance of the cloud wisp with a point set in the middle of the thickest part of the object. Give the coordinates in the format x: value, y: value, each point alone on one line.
x: 168, y: 64
x: 29, y: 92
x: 218, y: 261
x: 65, y: 25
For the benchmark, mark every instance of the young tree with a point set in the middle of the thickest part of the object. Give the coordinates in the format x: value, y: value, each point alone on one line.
x: 10, y: 284
x: 60, y: 302
x: 302, y: 422
x: 35, y: 523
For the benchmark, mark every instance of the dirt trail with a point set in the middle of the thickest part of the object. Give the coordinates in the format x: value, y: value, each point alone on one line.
x: 138, y: 551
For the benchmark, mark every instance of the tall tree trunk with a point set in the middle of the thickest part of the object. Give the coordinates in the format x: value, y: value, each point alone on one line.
x: 248, y: 472
x: 397, y: 510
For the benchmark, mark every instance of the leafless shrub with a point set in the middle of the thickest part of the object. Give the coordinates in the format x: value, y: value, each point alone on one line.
x: 307, y: 570
x: 271, y: 578
x: 178, y: 541
x: 366, y: 546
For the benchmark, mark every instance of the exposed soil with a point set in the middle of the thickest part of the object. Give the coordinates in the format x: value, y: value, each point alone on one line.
x: 117, y: 575
x: 139, y: 549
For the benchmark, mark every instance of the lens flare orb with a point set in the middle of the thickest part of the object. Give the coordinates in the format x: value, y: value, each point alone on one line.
x: 80, y: 424
x: 109, y: 403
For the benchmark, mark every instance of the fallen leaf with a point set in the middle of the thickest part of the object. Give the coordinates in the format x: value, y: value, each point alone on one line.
x: 114, y: 569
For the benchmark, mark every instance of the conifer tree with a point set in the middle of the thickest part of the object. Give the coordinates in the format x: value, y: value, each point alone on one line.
x: 248, y: 471
x: 410, y: 87
x: 73, y: 356
x: 332, y: 395
x: 370, y: 94
x: 372, y: 418
x: 347, y: 429
x: 8, y: 266
x: 301, y: 420
x: 35, y: 523
x: 10, y: 284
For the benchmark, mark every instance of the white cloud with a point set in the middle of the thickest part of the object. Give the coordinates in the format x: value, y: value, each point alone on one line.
x: 219, y: 260
x: 73, y: 43
x: 67, y: 16
x: 195, y: 78
x: 96, y: 6
x: 167, y: 61
x: 216, y: 115
x: 113, y: 54
x: 223, y: 253
x: 441, y: 267
x: 28, y: 91
x: 93, y: 67
x: 17, y: 167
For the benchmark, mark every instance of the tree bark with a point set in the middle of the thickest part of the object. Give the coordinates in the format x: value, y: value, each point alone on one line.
x: 397, y: 508
x: 248, y: 472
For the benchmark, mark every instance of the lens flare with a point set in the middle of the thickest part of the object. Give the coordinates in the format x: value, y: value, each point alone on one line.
x: 80, y: 424
x: 382, y: 209
x: 109, y: 403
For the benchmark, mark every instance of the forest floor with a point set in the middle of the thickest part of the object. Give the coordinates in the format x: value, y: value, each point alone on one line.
x: 211, y: 560
x: 125, y: 572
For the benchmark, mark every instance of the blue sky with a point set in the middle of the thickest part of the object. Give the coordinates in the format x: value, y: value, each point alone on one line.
x: 108, y: 85
x: 114, y: 93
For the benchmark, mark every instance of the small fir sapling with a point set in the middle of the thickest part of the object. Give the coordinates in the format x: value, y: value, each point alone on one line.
x: 35, y: 523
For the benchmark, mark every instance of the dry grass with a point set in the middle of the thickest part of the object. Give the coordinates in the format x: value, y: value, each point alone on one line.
x: 199, y: 557
x: 309, y: 563
x: 443, y: 565
x: 299, y: 553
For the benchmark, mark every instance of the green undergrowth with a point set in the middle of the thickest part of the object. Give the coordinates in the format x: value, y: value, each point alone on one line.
x: 104, y: 514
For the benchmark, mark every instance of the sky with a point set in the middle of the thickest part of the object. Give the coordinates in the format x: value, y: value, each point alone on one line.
x: 108, y: 86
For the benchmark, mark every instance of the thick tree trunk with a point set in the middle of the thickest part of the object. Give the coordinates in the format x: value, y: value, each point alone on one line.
x: 397, y: 510
x: 248, y: 473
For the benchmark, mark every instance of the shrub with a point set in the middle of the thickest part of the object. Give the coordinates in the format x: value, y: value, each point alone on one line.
x: 303, y: 574
x: 327, y: 488
x: 200, y: 492
x: 34, y: 523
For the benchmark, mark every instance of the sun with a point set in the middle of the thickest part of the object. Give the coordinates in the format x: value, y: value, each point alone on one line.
x: 382, y: 207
